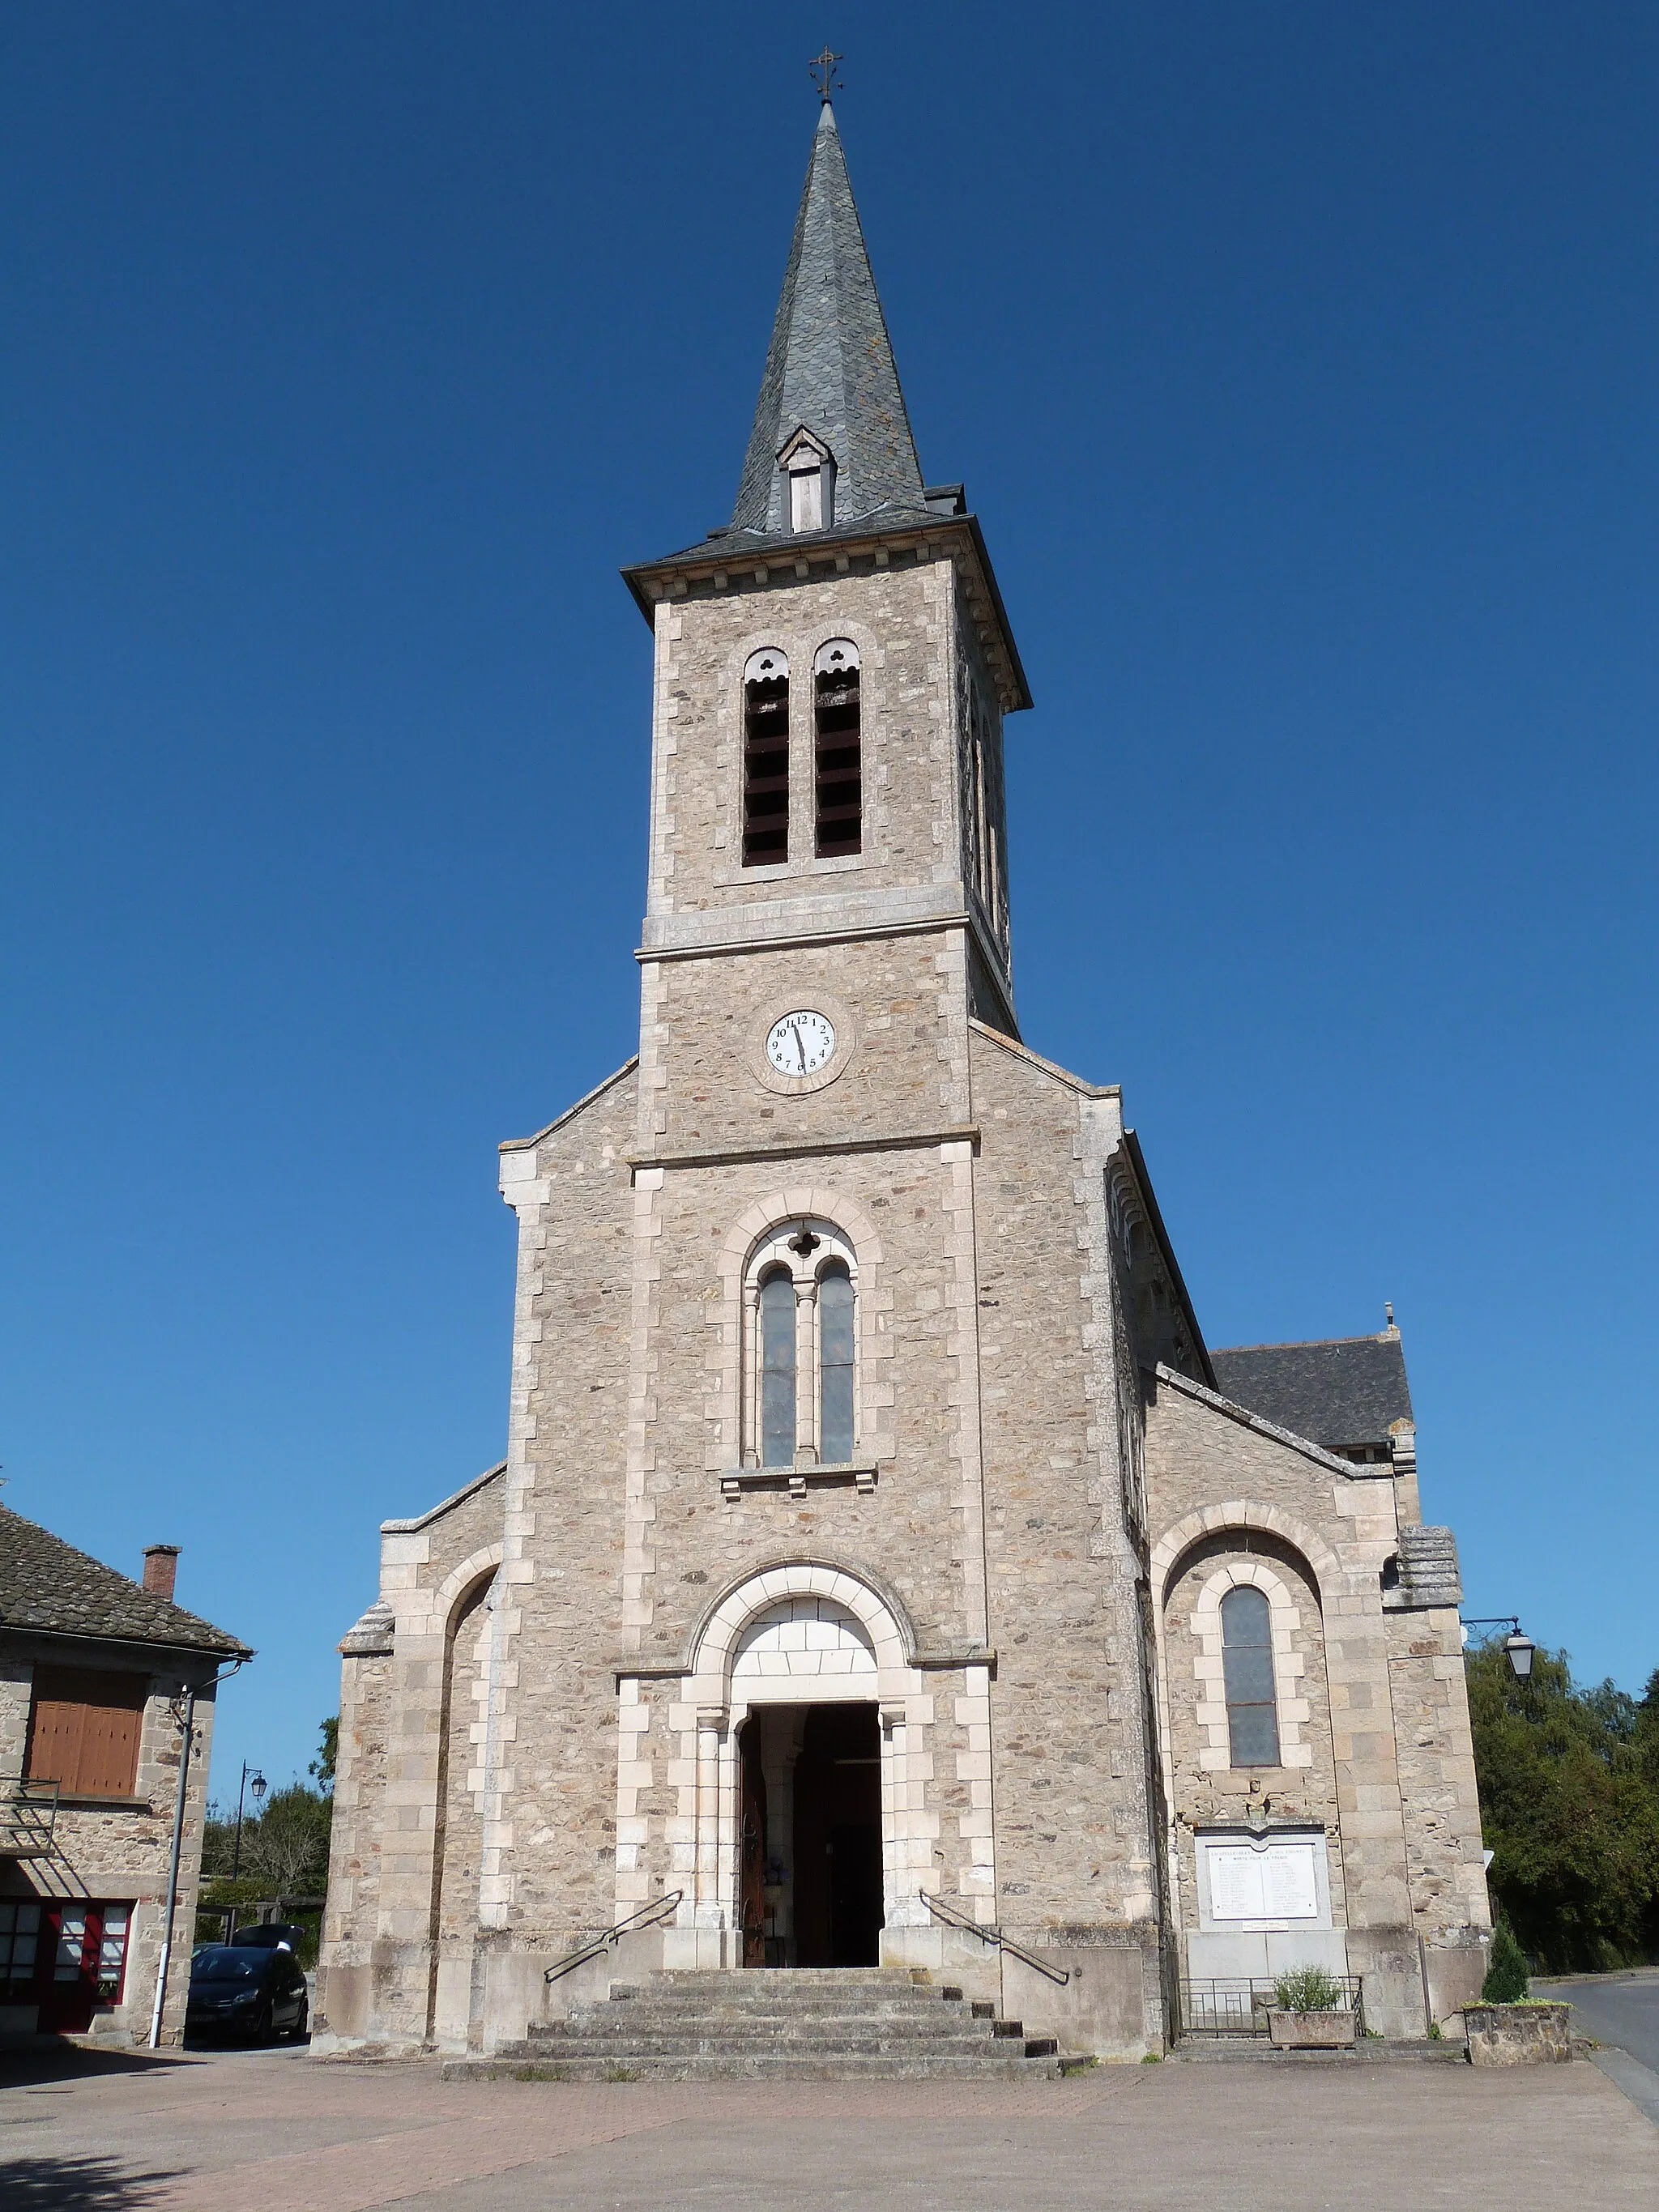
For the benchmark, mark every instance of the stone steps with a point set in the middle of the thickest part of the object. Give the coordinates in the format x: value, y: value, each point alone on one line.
x: 822, y: 2024
x: 826, y: 2031
x: 556, y: 2049
x: 936, y: 2008
x: 760, y: 2066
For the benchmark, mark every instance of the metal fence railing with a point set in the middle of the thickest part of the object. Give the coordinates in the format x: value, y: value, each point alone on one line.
x: 1239, y: 2004
x: 28, y: 1813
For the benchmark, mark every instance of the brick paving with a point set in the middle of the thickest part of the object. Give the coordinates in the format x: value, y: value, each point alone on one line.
x: 278, y: 2132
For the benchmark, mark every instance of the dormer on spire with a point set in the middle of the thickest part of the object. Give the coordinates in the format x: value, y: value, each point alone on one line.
x: 811, y: 468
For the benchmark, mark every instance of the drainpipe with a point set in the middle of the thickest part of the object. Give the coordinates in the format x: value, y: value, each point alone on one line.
x: 173, y: 1868
x: 189, y: 1724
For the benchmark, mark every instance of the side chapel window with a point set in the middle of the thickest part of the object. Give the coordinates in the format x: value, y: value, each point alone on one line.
x: 1246, y: 1662
x: 765, y: 759
x: 838, y: 749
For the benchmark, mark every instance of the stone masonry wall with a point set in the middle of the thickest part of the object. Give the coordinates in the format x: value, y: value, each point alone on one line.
x: 900, y: 1009
x: 1444, y: 1851
x: 360, y: 1780
x: 549, y: 1856
x: 901, y: 622
x: 1074, y: 1845
x: 1208, y: 1791
x: 1207, y: 1472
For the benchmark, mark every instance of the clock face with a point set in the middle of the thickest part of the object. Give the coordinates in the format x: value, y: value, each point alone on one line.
x: 800, y: 1044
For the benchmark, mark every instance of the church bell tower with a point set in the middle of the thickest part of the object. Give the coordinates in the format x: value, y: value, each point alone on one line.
x: 827, y: 873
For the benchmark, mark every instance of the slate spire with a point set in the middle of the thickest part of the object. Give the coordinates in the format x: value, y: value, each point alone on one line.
x: 829, y: 367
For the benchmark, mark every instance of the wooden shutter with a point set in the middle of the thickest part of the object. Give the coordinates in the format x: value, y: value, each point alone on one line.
x: 84, y: 1729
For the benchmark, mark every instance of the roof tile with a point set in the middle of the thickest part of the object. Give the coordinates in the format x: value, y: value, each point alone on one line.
x: 1342, y: 1395
x: 48, y: 1586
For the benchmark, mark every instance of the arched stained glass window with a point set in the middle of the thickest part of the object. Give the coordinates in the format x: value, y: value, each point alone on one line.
x: 835, y: 1363
x: 1247, y: 1661
x: 777, y: 1379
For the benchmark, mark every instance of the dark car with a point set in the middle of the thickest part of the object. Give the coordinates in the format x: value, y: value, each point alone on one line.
x: 238, y: 1988
x: 270, y: 1935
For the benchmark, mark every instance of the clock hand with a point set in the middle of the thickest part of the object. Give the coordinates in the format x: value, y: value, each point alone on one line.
x: 800, y: 1048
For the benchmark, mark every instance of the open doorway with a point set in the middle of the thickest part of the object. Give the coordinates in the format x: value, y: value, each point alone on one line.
x: 810, y: 1856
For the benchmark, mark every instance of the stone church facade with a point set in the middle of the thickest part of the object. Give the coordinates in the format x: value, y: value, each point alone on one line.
x: 882, y: 1569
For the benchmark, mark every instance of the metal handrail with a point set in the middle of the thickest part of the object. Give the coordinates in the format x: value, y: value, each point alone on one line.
x: 29, y: 1815
x: 989, y: 1933
x: 642, y: 1917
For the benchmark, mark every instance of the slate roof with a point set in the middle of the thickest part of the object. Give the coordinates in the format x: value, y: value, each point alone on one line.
x: 830, y: 364
x: 47, y: 1586
x: 1341, y: 1394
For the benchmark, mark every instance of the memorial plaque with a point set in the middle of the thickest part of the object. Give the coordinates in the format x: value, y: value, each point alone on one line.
x: 1235, y: 1885
x: 1293, y: 1892
x: 1277, y: 1883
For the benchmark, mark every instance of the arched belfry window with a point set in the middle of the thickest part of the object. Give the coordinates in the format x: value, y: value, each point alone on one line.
x: 1247, y: 1661
x: 838, y: 748
x: 800, y: 1348
x: 765, y: 758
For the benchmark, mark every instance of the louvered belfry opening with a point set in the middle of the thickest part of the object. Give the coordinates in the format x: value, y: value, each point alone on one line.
x: 765, y: 760
x: 838, y: 764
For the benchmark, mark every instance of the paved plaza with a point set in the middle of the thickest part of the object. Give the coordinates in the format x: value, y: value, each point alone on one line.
x: 278, y: 2131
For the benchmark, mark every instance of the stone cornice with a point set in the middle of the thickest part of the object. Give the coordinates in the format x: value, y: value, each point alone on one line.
x: 444, y: 1505
x: 1247, y: 1420
x: 824, y: 1147
x: 714, y: 568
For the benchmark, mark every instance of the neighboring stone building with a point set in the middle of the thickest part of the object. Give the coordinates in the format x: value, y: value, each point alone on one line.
x: 880, y: 1549
x: 95, y: 1677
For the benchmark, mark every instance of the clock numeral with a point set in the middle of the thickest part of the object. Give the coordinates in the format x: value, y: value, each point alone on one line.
x: 800, y: 1043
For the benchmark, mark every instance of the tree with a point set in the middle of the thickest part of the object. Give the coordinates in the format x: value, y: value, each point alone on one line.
x: 1570, y: 1800
x: 286, y: 1848
x: 321, y: 1769
x: 1506, y: 1981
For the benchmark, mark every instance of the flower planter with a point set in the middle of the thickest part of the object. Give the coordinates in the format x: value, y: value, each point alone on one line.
x: 1518, y: 2034
x: 1311, y: 2030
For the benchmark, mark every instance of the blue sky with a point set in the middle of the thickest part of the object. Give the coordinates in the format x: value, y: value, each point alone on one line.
x: 1299, y: 361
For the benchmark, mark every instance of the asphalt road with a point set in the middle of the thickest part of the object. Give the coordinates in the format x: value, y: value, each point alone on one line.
x: 1619, y: 2009
x: 1620, y: 2012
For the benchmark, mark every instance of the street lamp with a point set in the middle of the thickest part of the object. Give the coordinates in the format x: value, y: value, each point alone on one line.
x: 1519, y: 1648
x: 259, y: 1786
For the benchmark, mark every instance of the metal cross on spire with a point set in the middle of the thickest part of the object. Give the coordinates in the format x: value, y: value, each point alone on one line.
x: 822, y: 69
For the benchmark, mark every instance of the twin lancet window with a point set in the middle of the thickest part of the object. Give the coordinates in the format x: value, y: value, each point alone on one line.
x: 1246, y: 1662
x: 837, y: 755
x: 799, y: 1384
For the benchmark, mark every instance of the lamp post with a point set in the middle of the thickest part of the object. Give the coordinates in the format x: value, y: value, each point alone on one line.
x: 183, y: 1710
x: 259, y: 1787
x: 1518, y: 1647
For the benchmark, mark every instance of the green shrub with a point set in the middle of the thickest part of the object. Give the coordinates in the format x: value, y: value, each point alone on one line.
x: 1506, y: 1981
x: 1309, y: 1989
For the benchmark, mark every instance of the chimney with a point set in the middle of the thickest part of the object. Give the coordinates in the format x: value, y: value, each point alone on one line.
x: 161, y: 1565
